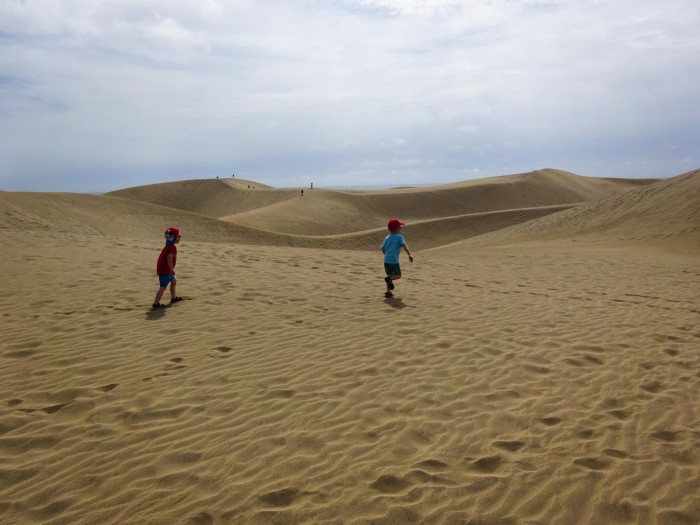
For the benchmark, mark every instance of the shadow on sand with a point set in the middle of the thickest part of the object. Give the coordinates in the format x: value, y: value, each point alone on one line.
x: 156, y: 313
x: 397, y: 302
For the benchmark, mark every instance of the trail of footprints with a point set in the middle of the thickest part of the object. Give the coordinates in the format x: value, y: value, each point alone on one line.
x: 51, y: 409
x: 173, y: 365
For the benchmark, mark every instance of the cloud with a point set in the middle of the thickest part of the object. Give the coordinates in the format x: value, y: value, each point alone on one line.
x: 278, y: 90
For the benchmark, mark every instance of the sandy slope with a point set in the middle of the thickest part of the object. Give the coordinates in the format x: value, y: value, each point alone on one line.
x: 120, y: 218
x: 328, y: 212
x: 117, y: 218
x: 505, y: 383
x: 211, y: 197
x: 666, y: 213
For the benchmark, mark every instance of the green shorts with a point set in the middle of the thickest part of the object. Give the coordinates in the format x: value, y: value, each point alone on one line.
x: 392, y: 269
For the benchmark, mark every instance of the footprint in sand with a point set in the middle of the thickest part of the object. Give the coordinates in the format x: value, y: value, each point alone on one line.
x: 55, y: 408
x: 510, y: 446
x: 487, y: 464
x: 653, y: 387
x: 593, y: 463
x: 18, y: 354
x: 281, y: 393
x: 667, y: 436
x: 203, y: 518
x: 432, y: 464
x: 620, y: 414
x: 162, y: 374
x: 614, y: 453
x: 593, y: 359
x: 279, y: 498
x: 223, y: 350
x: 586, y: 433
x: 171, y: 365
x: 388, y: 484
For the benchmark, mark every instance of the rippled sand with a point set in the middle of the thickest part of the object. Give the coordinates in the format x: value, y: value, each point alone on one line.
x: 548, y: 381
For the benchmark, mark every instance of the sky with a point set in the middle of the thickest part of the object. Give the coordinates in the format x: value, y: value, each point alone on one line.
x: 99, y: 95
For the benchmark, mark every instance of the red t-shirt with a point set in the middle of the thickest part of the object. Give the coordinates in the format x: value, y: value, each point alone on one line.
x: 162, y: 268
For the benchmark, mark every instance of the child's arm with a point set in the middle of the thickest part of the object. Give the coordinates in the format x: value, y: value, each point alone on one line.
x: 170, y: 264
x: 405, y: 247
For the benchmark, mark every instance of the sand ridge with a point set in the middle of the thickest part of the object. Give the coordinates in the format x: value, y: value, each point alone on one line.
x: 126, y: 220
x: 331, y: 212
x: 210, y: 197
x: 518, y: 377
x: 665, y: 213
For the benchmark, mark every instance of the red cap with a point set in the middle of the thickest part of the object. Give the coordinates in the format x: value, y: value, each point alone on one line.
x: 394, y: 224
x: 172, y: 233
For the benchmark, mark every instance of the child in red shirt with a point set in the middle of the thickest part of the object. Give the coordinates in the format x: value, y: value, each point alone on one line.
x: 165, y: 267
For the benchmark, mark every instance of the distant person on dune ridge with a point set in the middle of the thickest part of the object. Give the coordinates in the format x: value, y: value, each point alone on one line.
x: 165, y: 268
x: 391, y: 248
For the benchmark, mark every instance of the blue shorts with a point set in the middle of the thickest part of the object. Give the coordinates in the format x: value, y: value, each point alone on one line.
x: 165, y: 280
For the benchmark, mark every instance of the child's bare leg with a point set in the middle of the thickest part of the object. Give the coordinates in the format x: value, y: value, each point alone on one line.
x: 389, y: 283
x: 159, y: 295
x: 173, y: 295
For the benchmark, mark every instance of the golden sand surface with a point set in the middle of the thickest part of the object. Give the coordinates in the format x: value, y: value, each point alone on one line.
x: 537, y: 365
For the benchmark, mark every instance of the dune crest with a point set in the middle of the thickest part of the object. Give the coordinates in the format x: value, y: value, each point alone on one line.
x: 664, y: 213
x: 629, y: 211
x: 330, y: 212
x: 210, y: 197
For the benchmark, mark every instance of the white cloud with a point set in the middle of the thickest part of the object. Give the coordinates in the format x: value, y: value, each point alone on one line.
x: 169, y: 88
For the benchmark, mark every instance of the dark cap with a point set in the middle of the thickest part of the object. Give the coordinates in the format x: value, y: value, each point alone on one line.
x: 394, y: 224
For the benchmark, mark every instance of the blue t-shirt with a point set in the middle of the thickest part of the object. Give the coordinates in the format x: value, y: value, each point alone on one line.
x: 392, y: 246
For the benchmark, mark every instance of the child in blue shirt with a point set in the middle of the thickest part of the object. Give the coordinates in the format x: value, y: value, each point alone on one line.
x: 391, y: 247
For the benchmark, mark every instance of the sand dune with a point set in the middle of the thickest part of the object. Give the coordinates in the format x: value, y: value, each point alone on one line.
x: 117, y: 218
x: 503, y: 384
x: 210, y: 197
x: 328, y: 212
x: 125, y: 220
x: 666, y: 213
x: 433, y: 233
x: 321, y: 218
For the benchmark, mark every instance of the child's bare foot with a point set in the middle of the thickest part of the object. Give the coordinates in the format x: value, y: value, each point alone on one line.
x: 388, y: 294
